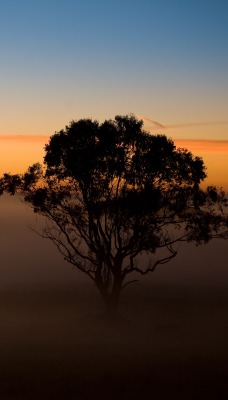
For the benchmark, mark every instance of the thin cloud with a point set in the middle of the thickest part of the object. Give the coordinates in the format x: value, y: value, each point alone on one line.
x: 156, y: 125
x: 197, y: 124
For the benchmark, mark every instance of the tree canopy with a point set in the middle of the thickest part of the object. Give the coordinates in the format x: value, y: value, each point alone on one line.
x: 112, y: 192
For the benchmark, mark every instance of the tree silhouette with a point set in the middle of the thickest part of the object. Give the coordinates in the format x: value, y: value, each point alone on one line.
x: 111, y: 193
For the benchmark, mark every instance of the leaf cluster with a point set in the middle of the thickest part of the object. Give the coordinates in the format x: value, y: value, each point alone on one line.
x: 111, y: 191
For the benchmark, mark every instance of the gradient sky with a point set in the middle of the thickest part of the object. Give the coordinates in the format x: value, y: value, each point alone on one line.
x: 164, y: 60
x: 69, y: 59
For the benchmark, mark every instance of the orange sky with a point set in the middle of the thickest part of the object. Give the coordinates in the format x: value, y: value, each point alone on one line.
x: 18, y: 152
x: 215, y: 156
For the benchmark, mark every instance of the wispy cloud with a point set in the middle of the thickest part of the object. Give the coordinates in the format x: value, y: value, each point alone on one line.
x: 156, y: 125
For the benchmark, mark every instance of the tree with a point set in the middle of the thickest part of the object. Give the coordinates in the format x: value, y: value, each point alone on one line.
x: 112, y: 192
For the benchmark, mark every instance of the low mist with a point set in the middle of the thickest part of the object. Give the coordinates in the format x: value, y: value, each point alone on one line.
x: 169, y: 340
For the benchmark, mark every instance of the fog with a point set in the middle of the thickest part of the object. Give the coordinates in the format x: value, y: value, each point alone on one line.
x: 170, y: 340
x: 28, y: 261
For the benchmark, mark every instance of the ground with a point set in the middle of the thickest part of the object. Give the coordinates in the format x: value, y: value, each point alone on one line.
x: 169, y: 343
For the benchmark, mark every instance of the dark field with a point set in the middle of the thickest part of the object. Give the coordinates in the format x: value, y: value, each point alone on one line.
x: 169, y: 344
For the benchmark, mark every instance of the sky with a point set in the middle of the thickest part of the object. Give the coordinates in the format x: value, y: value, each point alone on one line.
x: 166, y: 61
x: 62, y: 60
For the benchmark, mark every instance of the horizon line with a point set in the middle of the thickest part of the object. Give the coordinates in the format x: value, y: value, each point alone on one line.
x: 45, y: 137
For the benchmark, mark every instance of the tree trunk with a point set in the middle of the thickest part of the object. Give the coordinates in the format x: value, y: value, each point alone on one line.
x: 109, y: 295
x: 110, y: 299
x: 111, y: 305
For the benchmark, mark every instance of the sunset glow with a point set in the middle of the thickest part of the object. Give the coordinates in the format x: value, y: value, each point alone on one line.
x: 19, y: 152
x: 166, y: 62
x: 215, y: 156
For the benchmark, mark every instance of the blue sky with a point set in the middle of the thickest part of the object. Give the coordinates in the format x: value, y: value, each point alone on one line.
x: 65, y: 59
x: 166, y: 60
